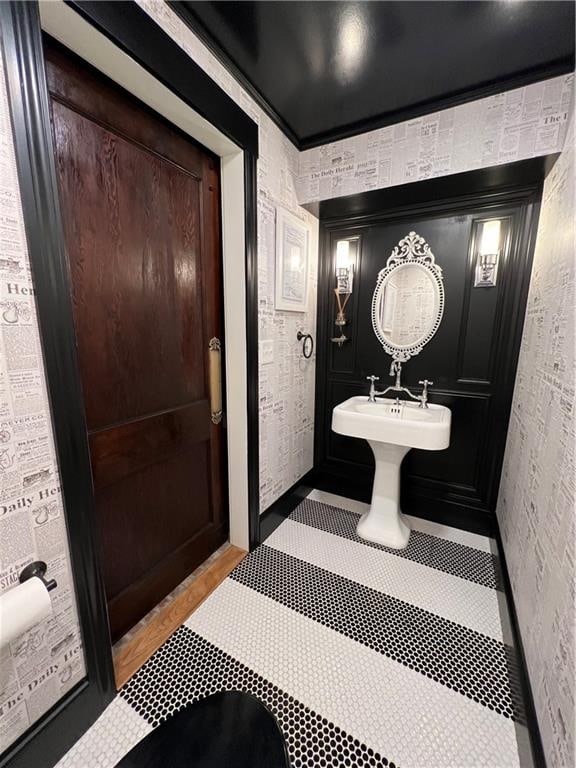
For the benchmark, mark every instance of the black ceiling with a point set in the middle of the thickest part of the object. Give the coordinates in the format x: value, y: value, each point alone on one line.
x: 325, y: 70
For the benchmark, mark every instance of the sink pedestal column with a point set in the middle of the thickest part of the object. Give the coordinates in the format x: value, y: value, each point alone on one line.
x: 384, y: 523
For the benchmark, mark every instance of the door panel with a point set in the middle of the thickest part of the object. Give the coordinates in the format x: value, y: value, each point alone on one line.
x: 134, y: 446
x: 167, y: 483
x: 140, y: 206
x: 135, y: 268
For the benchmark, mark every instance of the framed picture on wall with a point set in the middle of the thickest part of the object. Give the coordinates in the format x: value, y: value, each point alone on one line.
x: 292, y: 239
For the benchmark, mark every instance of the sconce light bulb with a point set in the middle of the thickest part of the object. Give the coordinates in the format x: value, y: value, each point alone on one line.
x: 342, y: 254
x: 490, y: 240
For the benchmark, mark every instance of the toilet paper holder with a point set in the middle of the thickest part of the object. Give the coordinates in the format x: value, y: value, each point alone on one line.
x: 37, y: 568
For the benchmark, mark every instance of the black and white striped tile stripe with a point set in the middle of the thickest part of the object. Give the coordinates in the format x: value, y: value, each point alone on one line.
x: 465, y: 661
x: 188, y: 668
x: 443, y: 555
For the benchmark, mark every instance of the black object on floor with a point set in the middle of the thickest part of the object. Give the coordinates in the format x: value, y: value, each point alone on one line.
x: 226, y: 730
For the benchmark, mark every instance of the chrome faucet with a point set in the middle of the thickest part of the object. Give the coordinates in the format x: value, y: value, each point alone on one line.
x: 396, y: 370
x: 424, y: 396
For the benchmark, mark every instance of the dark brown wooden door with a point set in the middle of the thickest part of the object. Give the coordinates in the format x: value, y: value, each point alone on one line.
x: 140, y: 205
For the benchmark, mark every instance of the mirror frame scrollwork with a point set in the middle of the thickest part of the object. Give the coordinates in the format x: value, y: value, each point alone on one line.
x: 412, y: 249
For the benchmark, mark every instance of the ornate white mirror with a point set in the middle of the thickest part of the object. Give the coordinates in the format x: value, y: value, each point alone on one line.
x: 408, y: 302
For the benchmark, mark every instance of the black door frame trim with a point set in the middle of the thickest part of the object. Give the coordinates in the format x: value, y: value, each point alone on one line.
x: 132, y: 30
x: 137, y: 34
x: 24, y: 62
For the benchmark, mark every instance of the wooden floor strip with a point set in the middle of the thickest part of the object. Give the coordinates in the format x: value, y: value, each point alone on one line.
x: 131, y: 655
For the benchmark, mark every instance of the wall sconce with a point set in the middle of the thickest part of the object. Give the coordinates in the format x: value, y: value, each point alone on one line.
x: 345, y: 257
x: 344, y: 267
x: 488, y: 237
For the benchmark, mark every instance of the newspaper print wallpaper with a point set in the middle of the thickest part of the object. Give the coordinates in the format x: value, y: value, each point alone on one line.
x: 41, y: 665
x: 537, y: 491
x: 286, y: 378
x: 510, y: 126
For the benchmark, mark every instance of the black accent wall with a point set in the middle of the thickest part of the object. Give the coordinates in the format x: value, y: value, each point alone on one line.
x: 471, y: 359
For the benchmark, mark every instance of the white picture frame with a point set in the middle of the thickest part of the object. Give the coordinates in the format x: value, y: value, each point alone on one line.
x: 292, y: 246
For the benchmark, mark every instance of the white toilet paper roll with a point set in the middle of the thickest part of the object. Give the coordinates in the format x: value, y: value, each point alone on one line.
x: 21, y: 607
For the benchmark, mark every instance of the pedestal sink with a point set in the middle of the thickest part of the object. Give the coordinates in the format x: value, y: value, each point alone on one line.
x: 391, y: 430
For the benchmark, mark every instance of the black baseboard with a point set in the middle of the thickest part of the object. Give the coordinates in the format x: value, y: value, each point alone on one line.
x: 457, y: 515
x: 282, y: 507
x: 526, y: 688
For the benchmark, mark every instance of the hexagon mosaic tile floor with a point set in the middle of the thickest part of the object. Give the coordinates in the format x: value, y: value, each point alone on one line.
x: 367, y: 656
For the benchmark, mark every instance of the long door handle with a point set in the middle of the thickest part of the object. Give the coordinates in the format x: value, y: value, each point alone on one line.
x: 215, y: 373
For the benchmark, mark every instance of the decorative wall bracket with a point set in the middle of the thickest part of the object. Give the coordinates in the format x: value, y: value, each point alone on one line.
x: 342, y: 339
x: 340, y: 318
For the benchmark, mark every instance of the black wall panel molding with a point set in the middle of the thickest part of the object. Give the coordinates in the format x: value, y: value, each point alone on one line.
x: 131, y: 29
x: 515, y: 181
x: 472, y: 359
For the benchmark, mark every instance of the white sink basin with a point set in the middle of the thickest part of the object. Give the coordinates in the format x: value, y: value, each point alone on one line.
x: 382, y: 421
x: 391, y: 430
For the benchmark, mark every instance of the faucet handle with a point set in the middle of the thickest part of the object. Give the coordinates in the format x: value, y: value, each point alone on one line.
x: 372, y: 393
x: 424, y: 396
